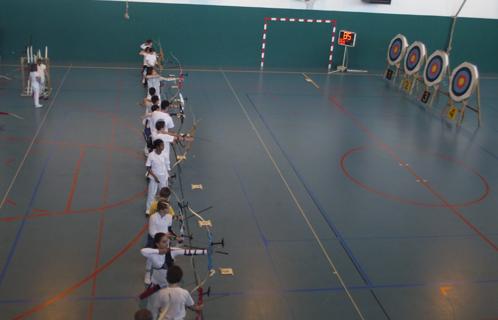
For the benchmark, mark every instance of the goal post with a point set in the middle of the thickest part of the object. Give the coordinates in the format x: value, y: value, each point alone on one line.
x: 268, y: 20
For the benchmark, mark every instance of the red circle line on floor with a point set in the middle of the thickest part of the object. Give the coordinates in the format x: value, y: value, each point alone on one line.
x: 413, y: 202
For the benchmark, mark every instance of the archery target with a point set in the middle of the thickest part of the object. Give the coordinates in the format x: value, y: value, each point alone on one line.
x: 397, y: 49
x: 414, y: 58
x: 435, y: 68
x: 463, y: 81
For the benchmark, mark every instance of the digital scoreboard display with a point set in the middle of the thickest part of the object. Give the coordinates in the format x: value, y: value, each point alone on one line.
x: 347, y: 38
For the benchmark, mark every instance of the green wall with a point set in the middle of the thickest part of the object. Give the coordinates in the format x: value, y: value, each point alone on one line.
x: 81, y: 31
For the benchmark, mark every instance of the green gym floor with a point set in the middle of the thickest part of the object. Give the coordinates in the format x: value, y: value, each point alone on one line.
x: 339, y: 197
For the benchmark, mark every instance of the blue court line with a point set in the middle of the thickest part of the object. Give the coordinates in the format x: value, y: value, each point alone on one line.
x: 89, y: 298
x: 437, y: 236
x: 462, y: 129
x: 20, y: 229
x: 13, y: 247
x: 261, y: 235
x: 359, y: 288
x: 315, y: 200
x: 292, y: 290
x: 251, y: 210
x: 324, y: 214
x: 466, y: 132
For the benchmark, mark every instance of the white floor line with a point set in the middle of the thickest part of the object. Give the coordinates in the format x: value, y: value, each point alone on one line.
x: 203, y: 70
x: 230, y: 71
x: 21, y: 164
x: 296, y: 202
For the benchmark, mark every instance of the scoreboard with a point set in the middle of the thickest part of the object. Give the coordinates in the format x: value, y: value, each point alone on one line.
x: 347, y: 38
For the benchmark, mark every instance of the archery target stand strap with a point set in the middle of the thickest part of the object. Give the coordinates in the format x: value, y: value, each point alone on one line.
x: 347, y: 39
x: 395, y: 54
x: 463, y: 89
x: 435, y: 71
x: 415, y: 58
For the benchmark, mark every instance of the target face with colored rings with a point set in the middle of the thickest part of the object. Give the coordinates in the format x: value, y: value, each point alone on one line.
x: 435, y: 68
x: 415, y: 57
x: 463, y: 81
x: 397, y: 49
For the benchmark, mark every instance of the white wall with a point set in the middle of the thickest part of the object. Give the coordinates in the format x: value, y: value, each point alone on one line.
x: 474, y: 8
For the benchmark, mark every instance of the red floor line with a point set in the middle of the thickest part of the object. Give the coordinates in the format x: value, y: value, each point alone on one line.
x: 74, y: 184
x: 411, y: 201
x: 455, y: 211
x: 105, y: 196
x: 393, y: 154
x: 66, y: 292
x: 45, y: 213
x: 97, y: 260
x: 8, y: 162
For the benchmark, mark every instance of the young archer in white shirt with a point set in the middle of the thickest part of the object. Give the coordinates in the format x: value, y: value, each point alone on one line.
x: 171, y: 301
x: 159, y: 259
x: 156, y: 171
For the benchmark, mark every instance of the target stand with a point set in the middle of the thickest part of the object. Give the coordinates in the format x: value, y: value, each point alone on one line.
x: 436, y: 69
x: 395, y: 53
x: 464, y: 84
x: 414, y: 60
x: 26, y: 62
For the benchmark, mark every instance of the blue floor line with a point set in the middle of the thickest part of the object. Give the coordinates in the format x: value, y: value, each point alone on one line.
x: 261, y: 234
x: 20, y: 229
x: 466, y: 132
x: 364, y: 287
x: 89, y: 298
x: 315, y: 200
x: 28, y: 209
x: 293, y: 290
x: 387, y: 237
x: 251, y: 210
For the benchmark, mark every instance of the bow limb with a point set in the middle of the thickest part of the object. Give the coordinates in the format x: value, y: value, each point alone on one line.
x: 160, y: 56
x: 182, y: 157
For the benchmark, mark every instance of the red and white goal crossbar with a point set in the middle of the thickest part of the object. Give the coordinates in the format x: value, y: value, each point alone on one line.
x: 301, y: 20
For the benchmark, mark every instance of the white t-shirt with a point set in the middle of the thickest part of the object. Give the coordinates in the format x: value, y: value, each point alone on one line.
x: 164, y: 116
x: 156, y: 270
x: 167, y: 139
x: 157, y: 163
x: 150, y: 59
x: 159, y: 224
x: 41, y: 70
x: 154, y: 82
x: 173, y: 300
x: 34, y: 77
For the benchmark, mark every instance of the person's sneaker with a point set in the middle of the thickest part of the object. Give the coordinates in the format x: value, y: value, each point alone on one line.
x: 39, y: 106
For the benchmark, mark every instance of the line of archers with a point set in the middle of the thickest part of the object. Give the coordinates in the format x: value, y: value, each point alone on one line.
x: 181, y: 153
x: 184, y: 207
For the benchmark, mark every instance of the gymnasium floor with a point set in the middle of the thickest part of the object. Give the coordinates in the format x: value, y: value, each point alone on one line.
x: 339, y: 198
